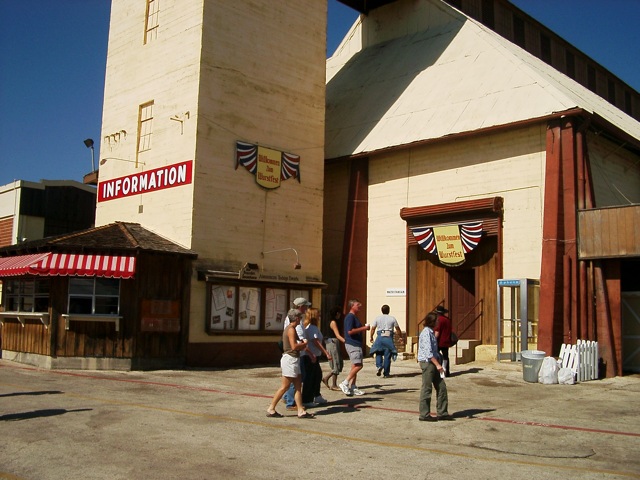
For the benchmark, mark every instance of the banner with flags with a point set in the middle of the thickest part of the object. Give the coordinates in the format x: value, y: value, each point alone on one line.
x: 449, y: 242
x: 269, y: 166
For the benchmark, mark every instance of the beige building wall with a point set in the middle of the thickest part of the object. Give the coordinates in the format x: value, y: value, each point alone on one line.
x: 616, y: 180
x: 510, y: 165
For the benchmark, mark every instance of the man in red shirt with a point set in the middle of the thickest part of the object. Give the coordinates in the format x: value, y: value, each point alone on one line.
x: 443, y: 334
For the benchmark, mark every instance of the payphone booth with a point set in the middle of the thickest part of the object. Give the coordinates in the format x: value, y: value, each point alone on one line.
x: 518, y: 302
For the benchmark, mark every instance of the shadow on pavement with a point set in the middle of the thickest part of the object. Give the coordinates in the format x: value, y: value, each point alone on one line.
x: 39, y: 414
x: 380, y: 390
x: 348, y: 405
x: 18, y: 394
x: 471, y: 413
x: 406, y: 375
x: 465, y: 372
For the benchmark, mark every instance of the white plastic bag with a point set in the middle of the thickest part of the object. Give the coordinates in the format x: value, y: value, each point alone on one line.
x: 566, y: 377
x: 548, y: 371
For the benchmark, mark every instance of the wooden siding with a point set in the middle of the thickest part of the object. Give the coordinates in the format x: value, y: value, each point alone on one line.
x: 83, y: 339
x: 32, y: 338
x: 159, y: 277
x: 609, y: 232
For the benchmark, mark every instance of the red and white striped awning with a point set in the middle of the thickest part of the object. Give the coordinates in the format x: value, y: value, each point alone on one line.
x: 69, y: 264
x: 17, y: 265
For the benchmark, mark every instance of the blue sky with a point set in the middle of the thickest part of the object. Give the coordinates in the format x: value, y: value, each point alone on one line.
x: 53, y: 56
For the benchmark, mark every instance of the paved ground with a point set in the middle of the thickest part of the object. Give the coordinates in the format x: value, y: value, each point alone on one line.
x: 208, y: 424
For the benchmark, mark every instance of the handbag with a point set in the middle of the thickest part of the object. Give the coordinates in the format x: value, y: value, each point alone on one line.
x: 454, y: 339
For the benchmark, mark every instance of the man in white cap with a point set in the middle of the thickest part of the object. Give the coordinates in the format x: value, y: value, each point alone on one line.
x: 300, y: 305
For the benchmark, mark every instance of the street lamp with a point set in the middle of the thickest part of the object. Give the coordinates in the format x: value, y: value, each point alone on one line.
x: 296, y: 265
x: 89, y: 144
x: 105, y: 159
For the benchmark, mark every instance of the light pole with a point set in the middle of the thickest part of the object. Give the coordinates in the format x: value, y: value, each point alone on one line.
x: 89, y: 144
x: 105, y: 159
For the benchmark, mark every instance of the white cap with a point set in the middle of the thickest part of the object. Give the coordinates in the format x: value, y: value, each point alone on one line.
x: 301, y: 301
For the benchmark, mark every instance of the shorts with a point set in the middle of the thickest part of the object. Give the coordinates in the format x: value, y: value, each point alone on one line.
x: 290, y: 366
x: 355, y: 354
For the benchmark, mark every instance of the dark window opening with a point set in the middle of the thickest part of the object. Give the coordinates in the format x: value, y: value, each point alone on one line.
x: 545, y: 48
x: 591, y: 78
x: 611, y: 91
x: 571, y: 64
x: 628, y: 108
x: 518, y: 31
x: 488, y: 16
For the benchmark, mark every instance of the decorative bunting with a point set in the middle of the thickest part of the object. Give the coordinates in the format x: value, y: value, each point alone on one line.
x: 470, y: 233
x: 270, y: 167
x: 290, y: 166
x: 424, y: 237
x: 449, y: 242
x: 247, y: 156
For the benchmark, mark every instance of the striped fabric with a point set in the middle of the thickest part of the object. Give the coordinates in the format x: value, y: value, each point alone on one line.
x: 470, y: 236
x: 247, y: 156
x: 69, y: 264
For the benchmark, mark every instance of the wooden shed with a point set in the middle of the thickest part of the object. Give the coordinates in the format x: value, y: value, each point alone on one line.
x: 112, y: 297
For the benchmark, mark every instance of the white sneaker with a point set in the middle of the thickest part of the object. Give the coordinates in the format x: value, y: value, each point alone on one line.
x: 320, y: 399
x: 357, y: 391
x: 345, y: 389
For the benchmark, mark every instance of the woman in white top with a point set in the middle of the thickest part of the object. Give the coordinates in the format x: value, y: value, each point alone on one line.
x: 290, y: 364
x: 312, y: 377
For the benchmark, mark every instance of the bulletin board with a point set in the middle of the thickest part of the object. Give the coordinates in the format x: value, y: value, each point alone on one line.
x: 276, y: 309
x: 249, y: 308
x: 223, y: 307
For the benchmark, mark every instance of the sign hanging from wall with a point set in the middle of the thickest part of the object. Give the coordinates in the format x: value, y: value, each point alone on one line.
x: 269, y: 166
x: 170, y: 176
x: 449, y: 242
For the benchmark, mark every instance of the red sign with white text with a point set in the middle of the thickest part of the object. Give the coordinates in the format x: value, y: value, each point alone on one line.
x: 144, y: 182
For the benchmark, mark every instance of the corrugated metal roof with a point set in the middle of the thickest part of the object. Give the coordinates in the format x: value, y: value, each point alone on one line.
x: 452, y: 76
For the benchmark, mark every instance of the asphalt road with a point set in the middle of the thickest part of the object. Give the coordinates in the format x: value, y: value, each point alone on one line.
x: 211, y: 424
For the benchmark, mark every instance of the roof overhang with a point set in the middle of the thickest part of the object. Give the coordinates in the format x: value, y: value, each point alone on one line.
x: 593, y: 121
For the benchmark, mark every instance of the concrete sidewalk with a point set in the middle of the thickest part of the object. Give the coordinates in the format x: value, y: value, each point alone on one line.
x: 201, y: 424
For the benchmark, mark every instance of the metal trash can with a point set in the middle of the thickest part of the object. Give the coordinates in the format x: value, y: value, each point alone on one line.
x: 531, y: 363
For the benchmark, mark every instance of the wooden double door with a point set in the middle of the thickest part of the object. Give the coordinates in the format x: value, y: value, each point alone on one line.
x: 462, y: 307
x: 467, y: 291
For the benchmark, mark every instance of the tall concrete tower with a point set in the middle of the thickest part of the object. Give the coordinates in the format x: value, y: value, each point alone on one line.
x: 213, y: 136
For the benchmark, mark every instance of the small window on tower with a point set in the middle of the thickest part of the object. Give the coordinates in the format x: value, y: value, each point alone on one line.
x: 145, y: 127
x: 151, y: 21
